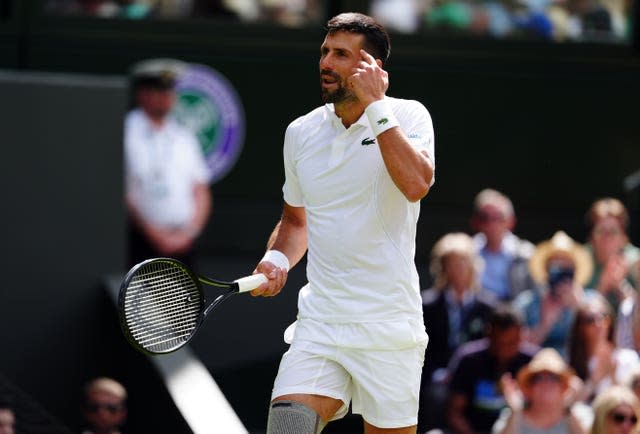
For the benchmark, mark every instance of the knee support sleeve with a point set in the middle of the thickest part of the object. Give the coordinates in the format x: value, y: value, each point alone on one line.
x: 290, y: 417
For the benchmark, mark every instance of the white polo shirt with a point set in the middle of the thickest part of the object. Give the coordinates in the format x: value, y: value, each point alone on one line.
x: 162, y: 166
x: 361, y: 228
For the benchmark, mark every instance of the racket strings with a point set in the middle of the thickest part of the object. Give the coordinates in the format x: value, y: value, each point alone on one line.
x: 162, y: 306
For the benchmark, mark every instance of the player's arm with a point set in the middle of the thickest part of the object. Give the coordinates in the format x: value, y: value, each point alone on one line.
x: 410, y: 169
x: 289, y: 237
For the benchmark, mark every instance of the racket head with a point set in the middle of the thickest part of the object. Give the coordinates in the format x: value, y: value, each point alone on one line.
x: 161, y: 305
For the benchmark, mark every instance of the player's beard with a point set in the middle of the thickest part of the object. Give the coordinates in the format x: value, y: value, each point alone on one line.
x: 340, y: 94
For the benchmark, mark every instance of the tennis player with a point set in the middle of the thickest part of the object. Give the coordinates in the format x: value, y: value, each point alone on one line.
x: 356, y: 170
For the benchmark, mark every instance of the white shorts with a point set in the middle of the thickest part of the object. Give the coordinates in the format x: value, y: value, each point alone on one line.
x: 383, y: 385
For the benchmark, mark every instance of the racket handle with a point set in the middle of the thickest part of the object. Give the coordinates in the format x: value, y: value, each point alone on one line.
x: 250, y: 283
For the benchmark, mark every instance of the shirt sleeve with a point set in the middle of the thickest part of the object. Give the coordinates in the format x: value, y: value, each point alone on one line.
x: 291, y: 190
x: 417, y: 125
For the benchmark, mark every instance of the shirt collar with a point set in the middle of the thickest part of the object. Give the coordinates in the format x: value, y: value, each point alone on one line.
x: 337, y: 122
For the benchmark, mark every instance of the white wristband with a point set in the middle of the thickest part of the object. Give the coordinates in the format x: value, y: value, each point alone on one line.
x: 380, y: 117
x: 277, y: 258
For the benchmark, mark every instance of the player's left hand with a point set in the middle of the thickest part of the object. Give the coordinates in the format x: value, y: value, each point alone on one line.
x: 369, y: 82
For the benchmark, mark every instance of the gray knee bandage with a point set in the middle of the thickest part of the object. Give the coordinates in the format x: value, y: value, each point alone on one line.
x: 290, y: 417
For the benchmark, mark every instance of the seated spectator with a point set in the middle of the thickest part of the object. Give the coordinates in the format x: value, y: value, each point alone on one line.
x: 633, y: 379
x: 475, y: 400
x: 592, y: 352
x: 456, y: 308
x: 7, y: 417
x: 455, y: 311
x: 541, y: 398
x: 613, y: 254
x: 616, y: 411
x: 505, y: 256
x: 104, y: 406
x: 560, y: 266
x: 616, y: 263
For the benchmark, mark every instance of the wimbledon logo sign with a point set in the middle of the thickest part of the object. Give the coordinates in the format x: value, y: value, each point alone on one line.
x: 207, y: 103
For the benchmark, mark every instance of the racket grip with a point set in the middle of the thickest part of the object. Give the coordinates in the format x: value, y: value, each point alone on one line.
x: 250, y: 283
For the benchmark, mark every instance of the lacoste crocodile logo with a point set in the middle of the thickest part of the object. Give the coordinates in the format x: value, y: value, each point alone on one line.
x: 368, y: 141
x: 383, y: 121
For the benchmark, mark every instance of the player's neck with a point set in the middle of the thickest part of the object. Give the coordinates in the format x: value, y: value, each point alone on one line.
x: 349, y: 111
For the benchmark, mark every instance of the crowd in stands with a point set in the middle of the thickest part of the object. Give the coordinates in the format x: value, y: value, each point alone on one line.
x: 290, y: 13
x: 532, y: 338
x: 558, y: 20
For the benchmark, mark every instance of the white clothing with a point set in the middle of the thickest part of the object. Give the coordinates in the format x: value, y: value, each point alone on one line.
x: 626, y: 359
x: 162, y: 166
x: 361, y: 228
x: 360, y: 332
x: 384, y: 385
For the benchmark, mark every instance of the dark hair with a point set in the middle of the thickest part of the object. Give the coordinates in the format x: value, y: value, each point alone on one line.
x: 607, y: 207
x: 503, y: 317
x: 577, y: 345
x: 376, y: 38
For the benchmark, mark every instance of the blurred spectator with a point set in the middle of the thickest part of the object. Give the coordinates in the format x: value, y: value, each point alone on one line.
x: 399, y: 15
x: 627, y: 332
x: 455, y: 311
x: 561, y: 267
x: 475, y: 400
x: 541, y: 399
x: 455, y: 308
x: 616, y: 411
x: 213, y: 8
x: 167, y: 189
x: 104, y: 406
x: 633, y: 379
x: 7, y: 417
x: 133, y: 9
x: 289, y: 13
x: 449, y: 15
x: 592, y: 352
x: 505, y: 256
x: 613, y: 254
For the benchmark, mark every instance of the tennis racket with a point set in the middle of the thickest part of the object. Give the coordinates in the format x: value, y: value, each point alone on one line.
x: 161, y: 303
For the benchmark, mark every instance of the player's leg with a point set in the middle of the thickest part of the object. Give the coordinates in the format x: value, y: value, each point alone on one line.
x: 301, y: 413
x: 370, y: 429
x: 310, y: 390
x: 386, y: 387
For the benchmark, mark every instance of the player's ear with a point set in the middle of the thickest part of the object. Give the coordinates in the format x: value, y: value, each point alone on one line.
x: 379, y: 63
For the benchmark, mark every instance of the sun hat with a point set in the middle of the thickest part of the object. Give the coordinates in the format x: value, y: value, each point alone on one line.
x: 561, y: 244
x: 545, y: 360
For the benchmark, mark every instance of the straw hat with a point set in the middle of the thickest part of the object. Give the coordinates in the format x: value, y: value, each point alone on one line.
x: 561, y: 244
x: 545, y: 360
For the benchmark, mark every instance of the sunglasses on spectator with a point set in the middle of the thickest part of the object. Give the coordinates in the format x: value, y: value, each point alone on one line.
x: 620, y: 418
x: 94, y: 407
x: 541, y: 377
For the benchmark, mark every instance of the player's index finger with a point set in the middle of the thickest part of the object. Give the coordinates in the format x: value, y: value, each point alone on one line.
x: 366, y: 56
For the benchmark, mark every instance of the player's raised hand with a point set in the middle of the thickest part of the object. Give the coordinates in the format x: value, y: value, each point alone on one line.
x: 369, y: 81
